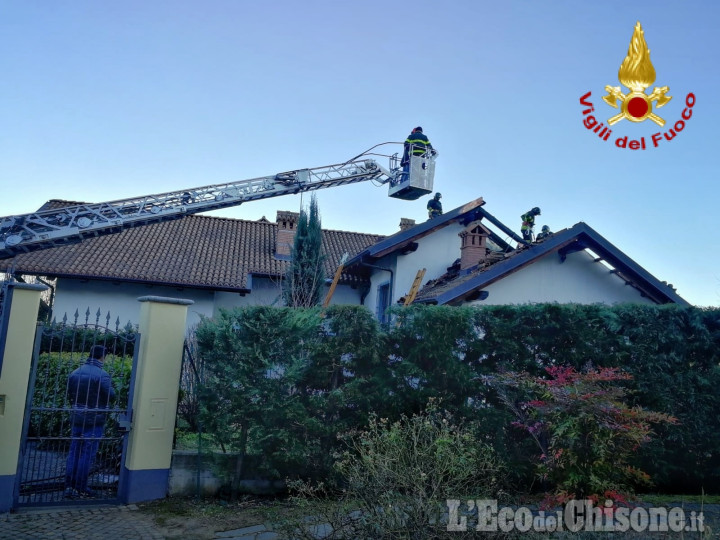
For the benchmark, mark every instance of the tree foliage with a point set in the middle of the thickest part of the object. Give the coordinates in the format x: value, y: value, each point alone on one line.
x: 337, y: 369
x: 305, y: 276
x: 254, y: 358
x: 584, y: 430
x: 397, y: 478
x: 281, y: 383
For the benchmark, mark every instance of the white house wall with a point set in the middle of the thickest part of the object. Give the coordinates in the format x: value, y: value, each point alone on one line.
x: 579, y: 279
x: 345, y: 295
x: 265, y: 292
x: 380, y: 277
x: 435, y: 252
x: 120, y: 299
x: 268, y: 292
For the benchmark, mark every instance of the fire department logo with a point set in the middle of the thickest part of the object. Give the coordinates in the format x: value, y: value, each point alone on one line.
x: 637, y: 73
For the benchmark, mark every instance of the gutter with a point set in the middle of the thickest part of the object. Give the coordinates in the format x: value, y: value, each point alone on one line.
x: 392, y: 281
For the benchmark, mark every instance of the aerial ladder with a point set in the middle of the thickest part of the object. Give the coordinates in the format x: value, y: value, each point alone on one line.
x: 60, y: 226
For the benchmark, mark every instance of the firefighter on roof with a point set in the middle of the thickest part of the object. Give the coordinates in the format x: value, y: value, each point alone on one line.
x: 528, y: 222
x: 434, y: 206
x: 544, y: 233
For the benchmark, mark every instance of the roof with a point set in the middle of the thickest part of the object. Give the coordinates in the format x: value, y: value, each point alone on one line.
x: 403, y: 239
x: 455, y: 286
x: 196, y: 251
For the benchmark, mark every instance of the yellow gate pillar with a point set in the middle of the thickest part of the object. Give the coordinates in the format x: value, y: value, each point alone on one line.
x: 146, y: 471
x: 16, y: 344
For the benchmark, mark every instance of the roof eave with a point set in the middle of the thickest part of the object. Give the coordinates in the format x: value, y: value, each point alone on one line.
x: 401, y: 239
x: 648, y: 285
x: 172, y: 284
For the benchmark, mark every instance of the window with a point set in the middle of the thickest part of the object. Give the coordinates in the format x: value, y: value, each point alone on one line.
x: 383, y: 302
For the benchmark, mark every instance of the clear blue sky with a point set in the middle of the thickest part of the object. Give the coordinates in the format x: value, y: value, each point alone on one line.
x: 104, y: 100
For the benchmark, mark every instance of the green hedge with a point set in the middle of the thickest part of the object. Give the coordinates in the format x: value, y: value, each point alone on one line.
x: 50, y: 391
x: 295, y: 378
x: 80, y: 338
x: 281, y: 383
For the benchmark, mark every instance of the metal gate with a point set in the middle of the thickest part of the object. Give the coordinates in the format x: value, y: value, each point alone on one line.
x: 49, y: 444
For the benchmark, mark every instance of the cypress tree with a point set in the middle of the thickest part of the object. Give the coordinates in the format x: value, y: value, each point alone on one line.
x: 305, y: 276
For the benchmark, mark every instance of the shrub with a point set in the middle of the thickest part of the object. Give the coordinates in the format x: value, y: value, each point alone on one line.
x: 398, y: 477
x: 585, y: 431
x: 337, y: 367
x: 281, y: 383
x: 79, y: 339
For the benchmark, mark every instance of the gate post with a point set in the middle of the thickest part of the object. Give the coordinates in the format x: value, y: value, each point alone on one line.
x: 154, y: 404
x: 15, y: 362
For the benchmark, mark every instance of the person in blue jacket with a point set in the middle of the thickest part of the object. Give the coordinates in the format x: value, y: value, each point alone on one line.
x: 89, y: 391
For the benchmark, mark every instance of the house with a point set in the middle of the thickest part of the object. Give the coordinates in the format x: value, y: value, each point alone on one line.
x: 575, y: 265
x: 469, y: 257
x: 216, y: 262
x: 468, y: 261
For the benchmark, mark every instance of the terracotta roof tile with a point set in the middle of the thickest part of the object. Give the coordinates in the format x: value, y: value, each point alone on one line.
x: 196, y: 251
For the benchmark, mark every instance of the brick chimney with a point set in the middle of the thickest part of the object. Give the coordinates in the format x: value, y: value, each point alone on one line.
x: 287, y: 223
x: 473, y: 247
x: 406, y: 223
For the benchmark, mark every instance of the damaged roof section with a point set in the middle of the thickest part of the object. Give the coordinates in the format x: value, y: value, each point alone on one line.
x: 458, y: 286
x: 404, y: 239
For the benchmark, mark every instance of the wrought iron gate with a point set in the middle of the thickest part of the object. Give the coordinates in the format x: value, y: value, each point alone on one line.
x: 60, y: 348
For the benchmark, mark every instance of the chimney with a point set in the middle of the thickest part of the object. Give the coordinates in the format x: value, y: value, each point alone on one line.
x: 287, y: 223
x: 406, y: 223
x: 473, y: 247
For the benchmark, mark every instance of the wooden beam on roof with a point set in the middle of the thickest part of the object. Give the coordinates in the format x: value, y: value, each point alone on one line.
x: 441, y: 223
x: 336, y: 279
x: 333, y: 285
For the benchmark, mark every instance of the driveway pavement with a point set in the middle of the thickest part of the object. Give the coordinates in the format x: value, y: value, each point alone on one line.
x: 101, y: 522
x: 130, y: 523
x: 112, y: 523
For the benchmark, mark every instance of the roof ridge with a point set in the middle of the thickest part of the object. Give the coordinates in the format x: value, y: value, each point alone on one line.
x: 355, y: 232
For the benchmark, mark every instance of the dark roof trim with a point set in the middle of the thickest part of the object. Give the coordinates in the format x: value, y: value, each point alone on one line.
x: 500, y: 225
x: 174, y: 285
x: 579, y: 236
x: 403, y: 238
x: 622, y: 262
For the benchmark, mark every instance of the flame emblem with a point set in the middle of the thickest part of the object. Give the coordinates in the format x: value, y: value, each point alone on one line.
x: 637, y: 73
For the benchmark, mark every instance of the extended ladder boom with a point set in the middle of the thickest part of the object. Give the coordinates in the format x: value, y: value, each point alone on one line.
x: 49, y: 228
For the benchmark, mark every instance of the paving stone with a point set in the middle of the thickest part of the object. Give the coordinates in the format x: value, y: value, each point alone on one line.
x: 118, y: 523
x: 320, y: 531
x: 128, y: 523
